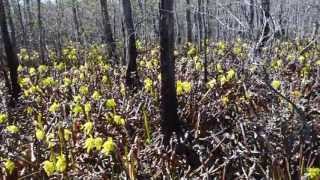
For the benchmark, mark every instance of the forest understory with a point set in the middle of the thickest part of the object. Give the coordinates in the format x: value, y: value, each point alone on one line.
x: 160, y: 89
x: 251, y: 120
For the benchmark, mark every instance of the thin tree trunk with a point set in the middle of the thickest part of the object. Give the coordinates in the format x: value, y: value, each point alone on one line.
x: 266, y: 30
x: 200, y: 24
x: 108, y: 36
x: 59, y: 22
x: 76, y: 21
x: 30, y: 25
x: 168, y: 106
x: 41, y: 32
x: 12, y: 58
x: 131, y: 74
x: 23, y: 29
x: 11, y: 25
x: 189, y: 25
x: 251, y: 19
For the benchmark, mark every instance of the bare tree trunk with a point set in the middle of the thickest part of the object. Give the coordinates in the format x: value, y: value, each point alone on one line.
x: 266, y: 29
x: 200, y: 24
x: 131, y: 74
x: 11, y: 25
x: 41, y: 34
x: 12, y: 58
x: 108, y: 36
x: 189, y: 25
x: 3, y: 65
x: 30, y: 25
x: 22, y: 26
x: 168, y: 106
x: 251, y: 19
x: 76, y: 21
x: 124, y: 61
x: 59, y: 22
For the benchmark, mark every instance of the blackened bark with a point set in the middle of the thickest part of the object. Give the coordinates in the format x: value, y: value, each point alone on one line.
x: 200, y: 24
x: 189, y: 25
x: 123, y: 30
x: 108, y: 36
x: 131, y: 74
x: 11, y: 25
x: 266, y: 30
x: 168, y: 105
x: 12, y: 58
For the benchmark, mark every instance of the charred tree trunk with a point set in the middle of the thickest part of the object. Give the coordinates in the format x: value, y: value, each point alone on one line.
x: 11, y: 25
x: 108, y: 36
x: 131, y: 74
x: 189, y: 25
x: 200, y: 24
x: 266, y: 24
x: 12, y: 59
x: 168, y: 106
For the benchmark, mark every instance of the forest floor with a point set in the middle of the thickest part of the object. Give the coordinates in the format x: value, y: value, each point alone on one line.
x: 250, y: 120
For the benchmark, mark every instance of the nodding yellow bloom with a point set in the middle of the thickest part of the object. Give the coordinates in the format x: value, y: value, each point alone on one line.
x: 318, y: 63
x: 183, y: 87
x: 301, y: 59
x: 96, y: 96
x: 148, y: 84
x: 276, y: 84
x: 187, y: 86
x: 88, y: 127
x: 67, y: 134
x: 32, y: 71
x: 48, y: 82
x: 108, y: 146
x: 89, y: 144
x: 225, y: 100
x: 24, y: 82
x: 313, y: 173
x: 84, y: 90
x: 222, y: 79
x: 54, y: 107
x: 105, y: 79
x: 3, y: 118
x: 212, y: 83
x: 40, y: 134
x: 76, y: 109
x: 118, y: 120
x: 87, y: 108
x: 219, y: 68
x: 42, y: 68
x: 111, y: 104
x: 179, y: 88
x: 230, y: 74
x: 67, y: 81
x: 9, y: 166
x: 12, y: 129
x: 49, y: 167
x: 61, y: 164
x: 98, y: 141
